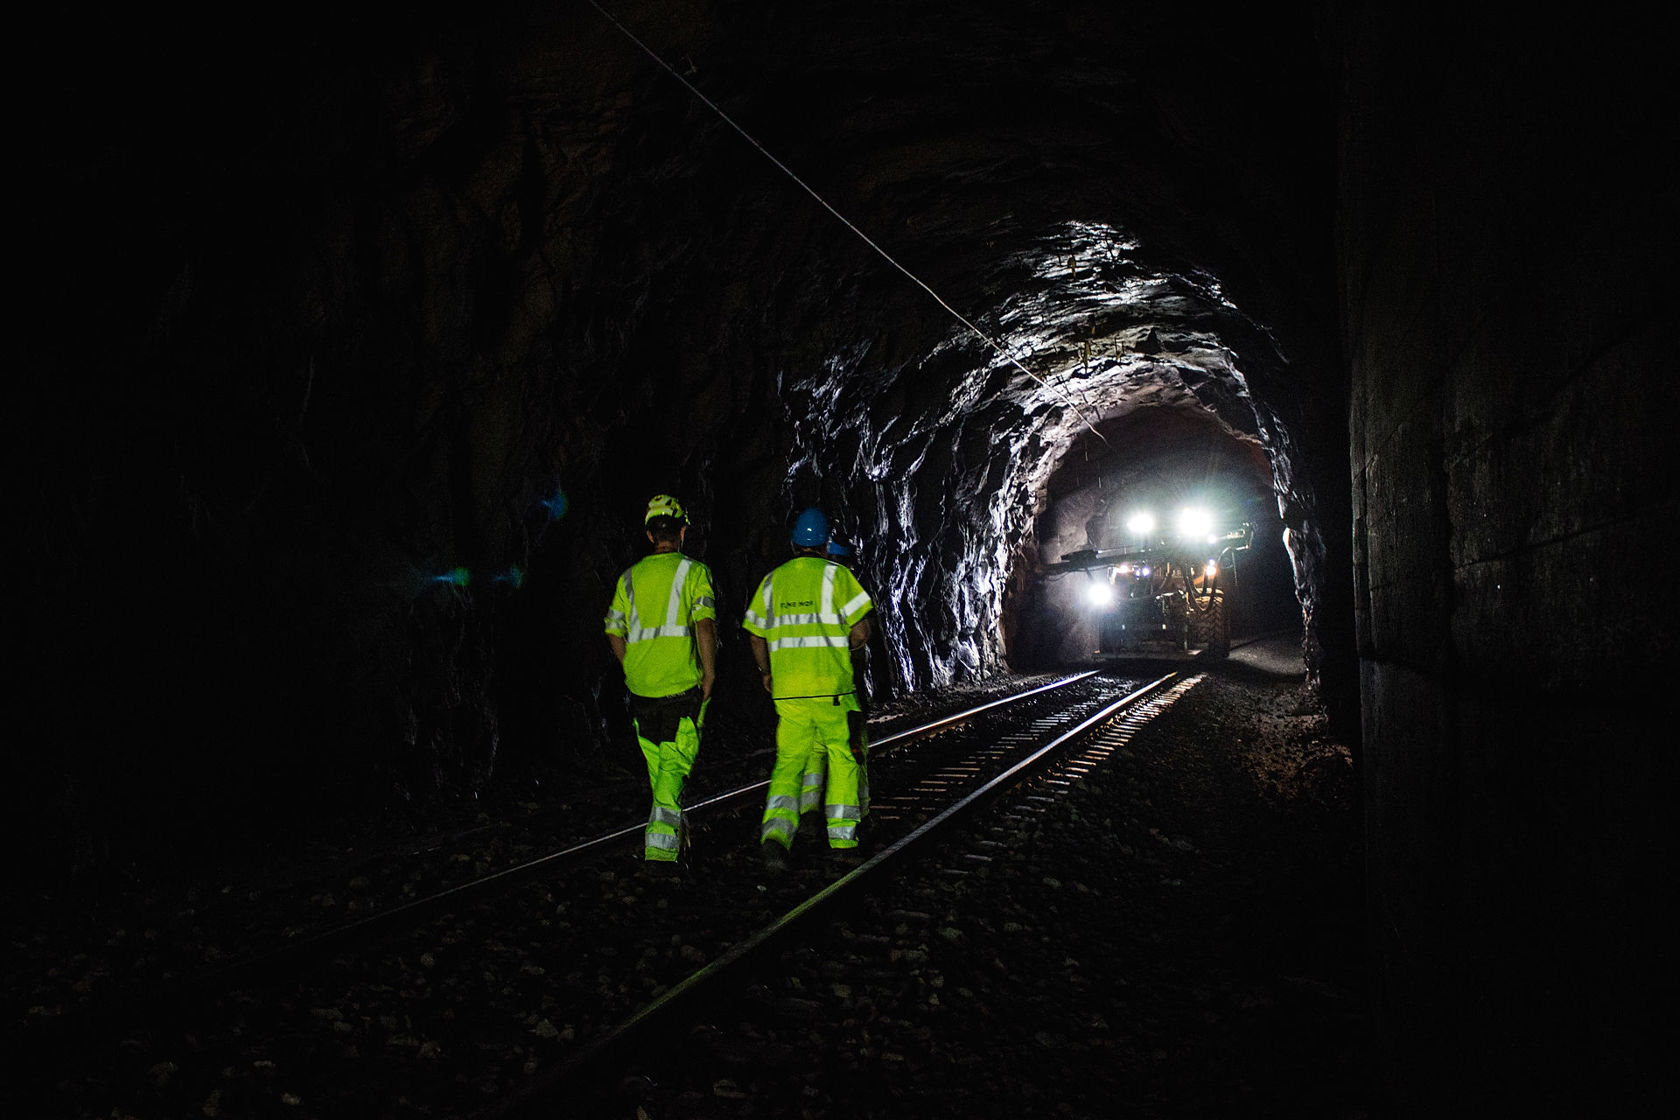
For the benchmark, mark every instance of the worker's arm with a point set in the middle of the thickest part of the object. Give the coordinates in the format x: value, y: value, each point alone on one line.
x: 705, y: 644
x: 761, y: 655
x: 860, y: 632
x: 618, y: 644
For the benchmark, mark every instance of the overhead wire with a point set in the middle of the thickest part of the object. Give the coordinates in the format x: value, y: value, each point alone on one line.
x: 867, y: 240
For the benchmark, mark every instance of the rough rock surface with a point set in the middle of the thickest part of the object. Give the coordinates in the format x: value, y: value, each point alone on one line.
x: 400, y: 329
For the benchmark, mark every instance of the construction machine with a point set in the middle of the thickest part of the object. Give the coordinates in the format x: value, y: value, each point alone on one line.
x: 1168, y: 596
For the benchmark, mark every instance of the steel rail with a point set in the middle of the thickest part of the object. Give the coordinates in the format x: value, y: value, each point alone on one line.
x: 439, y: 900
x: 897, y: 737
x: 172, y: 999
x: 582, y: 1070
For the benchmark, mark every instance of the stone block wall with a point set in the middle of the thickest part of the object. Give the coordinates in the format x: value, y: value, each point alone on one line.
x: 1512, y: 389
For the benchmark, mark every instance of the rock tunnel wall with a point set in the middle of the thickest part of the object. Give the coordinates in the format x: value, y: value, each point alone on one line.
x: 394, y: 334
x: 351, y: 350
x: 1512, y: 390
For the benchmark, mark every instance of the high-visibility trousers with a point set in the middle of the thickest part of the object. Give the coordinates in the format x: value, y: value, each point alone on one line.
x: 815, y: 779
x: 807, y: 728
x: 669, y: 763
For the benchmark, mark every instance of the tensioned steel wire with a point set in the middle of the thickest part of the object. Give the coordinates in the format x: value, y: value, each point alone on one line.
x: 821, y: 201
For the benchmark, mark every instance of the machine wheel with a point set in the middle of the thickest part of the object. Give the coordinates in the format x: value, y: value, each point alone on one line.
x: 1210, y: 629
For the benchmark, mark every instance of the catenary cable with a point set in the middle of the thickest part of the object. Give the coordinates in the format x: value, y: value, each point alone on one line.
x: 867, y: 240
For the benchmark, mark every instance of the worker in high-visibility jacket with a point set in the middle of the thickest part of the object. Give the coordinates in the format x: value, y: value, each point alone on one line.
x: 803, y: 623
x: 816, y: 765
x: 662, y: 628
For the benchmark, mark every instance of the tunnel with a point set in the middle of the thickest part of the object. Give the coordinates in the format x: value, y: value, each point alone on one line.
x: 355, y: 342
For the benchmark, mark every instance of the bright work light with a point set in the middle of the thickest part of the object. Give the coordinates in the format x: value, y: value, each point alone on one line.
x: 1099, y: 594
x: 1141, y: 524
x: 1194, y: 524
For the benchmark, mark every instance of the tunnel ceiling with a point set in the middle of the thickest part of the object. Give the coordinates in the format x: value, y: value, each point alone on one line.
x: 384, y: 297
x: 1127, y: 210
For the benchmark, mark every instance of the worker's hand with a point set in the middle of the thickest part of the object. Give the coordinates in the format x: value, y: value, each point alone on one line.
x: 764, y: 676
x: 706, y: 686
x: 857, y: 737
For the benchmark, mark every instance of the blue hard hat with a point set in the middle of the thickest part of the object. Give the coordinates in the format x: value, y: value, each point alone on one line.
x: 835, y: 548
x: 811, y: 530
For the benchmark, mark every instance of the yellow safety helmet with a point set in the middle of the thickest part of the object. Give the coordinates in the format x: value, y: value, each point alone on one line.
x: 663, y: 505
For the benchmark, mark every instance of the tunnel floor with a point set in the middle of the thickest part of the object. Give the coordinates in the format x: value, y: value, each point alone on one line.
x: 1181, y: 935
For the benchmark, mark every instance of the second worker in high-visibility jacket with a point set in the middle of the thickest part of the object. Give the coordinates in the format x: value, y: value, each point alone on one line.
x: 662, y: 627
x: 803, y: 623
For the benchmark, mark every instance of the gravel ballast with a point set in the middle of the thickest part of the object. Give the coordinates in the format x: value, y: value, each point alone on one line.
x: 1180, y: 934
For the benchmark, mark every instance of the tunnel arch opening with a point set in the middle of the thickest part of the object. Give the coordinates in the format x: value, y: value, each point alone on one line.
x: 1158, y: 459
x: 939, y: 460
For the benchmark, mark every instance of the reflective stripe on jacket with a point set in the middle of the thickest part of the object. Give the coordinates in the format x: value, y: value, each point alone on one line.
x: 655, y: 605
x: 805, y: 611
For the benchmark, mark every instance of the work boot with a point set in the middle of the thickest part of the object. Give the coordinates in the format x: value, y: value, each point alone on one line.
x: 845, y: 857
x: 685, y: 847
x: 775, y: 857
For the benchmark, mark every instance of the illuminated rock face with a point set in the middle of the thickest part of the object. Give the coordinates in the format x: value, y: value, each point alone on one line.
x: 398, y: 333
x: 946, y: 486
x: 350, y: 357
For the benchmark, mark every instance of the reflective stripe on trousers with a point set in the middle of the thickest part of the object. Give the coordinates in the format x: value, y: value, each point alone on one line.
x: 816, y: 775
x: 781, y: 819
x: 811, y: 784
x: 669, y: 765
x: 803, y: 727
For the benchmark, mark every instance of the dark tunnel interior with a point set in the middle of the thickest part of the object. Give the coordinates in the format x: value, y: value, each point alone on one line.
x: 355, y: 342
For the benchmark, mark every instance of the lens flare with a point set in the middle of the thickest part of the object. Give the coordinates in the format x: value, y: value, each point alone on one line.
x: 457, y: 577
x: 1194, y: 523
x: 557, y: 505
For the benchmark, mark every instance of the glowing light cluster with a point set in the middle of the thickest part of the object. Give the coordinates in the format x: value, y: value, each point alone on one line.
x: 1194, y: 524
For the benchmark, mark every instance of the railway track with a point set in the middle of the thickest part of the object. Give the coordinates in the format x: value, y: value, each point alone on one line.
x: 1031, y: 780
x: 548, y: 964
